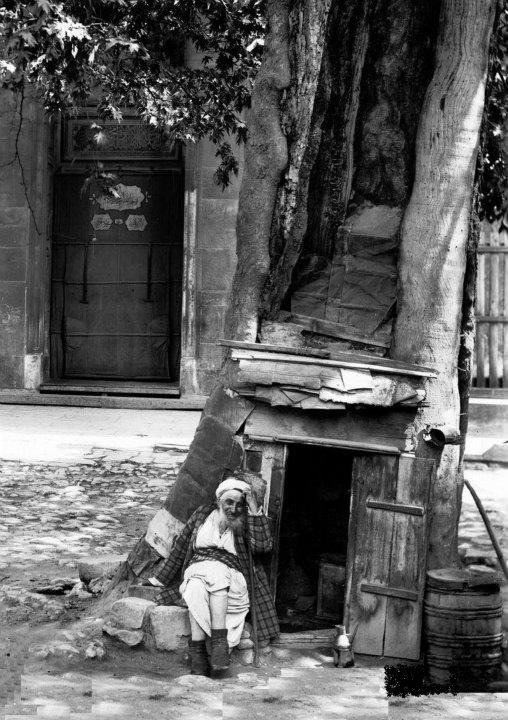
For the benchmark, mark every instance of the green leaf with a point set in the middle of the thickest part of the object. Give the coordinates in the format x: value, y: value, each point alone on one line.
x: 27, y: 38
x: 45, y: 6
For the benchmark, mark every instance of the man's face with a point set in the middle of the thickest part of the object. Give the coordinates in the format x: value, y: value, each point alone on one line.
x: 232, y: 505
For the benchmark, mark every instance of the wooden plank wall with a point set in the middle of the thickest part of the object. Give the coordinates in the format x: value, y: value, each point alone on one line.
x: 491, y: 350
x: 371, y: 427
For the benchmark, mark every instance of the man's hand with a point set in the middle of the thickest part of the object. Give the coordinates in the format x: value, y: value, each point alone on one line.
x: 250, y: 501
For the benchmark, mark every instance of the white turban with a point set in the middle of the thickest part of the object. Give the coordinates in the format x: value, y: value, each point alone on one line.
x: 231, y: 483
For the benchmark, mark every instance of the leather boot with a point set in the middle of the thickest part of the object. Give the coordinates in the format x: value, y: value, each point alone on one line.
x: 219, y: 659
x: 198, y: 657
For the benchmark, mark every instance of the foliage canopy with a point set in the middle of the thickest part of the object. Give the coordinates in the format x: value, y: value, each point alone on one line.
x: 130, y: 53
x: 493, y: 158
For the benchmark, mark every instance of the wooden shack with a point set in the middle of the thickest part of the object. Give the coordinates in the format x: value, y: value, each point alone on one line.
x: 328, y: 435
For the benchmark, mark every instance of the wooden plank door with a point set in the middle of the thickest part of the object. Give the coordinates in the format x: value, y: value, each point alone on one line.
x: 387, y: 553
x: 116, y: 277
x: 269, y: 460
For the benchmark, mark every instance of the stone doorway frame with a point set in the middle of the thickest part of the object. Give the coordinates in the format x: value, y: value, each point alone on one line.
x: 45, y: 138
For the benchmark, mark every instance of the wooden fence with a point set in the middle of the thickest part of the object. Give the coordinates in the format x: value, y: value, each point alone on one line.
x: 491, y: 350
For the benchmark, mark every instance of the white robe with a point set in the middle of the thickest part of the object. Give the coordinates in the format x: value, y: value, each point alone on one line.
x: 208, y: 576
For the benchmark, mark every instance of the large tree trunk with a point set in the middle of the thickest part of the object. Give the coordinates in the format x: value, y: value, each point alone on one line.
x: 265, y: 159
x: 336, y: 105
x: 320, y: 117
x: 214, y: 449
x: 351, y: 116
x: 434, y: 242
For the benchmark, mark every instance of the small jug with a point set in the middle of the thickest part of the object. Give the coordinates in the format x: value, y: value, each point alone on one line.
x: 342, y: 650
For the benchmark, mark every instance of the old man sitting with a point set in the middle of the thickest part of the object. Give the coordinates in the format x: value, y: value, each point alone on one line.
x: 210, y: 568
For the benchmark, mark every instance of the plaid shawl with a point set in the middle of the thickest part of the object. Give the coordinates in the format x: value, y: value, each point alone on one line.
x: 256, y: 533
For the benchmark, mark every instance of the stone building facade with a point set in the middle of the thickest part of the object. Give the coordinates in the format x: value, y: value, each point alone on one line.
x: 64, y: 248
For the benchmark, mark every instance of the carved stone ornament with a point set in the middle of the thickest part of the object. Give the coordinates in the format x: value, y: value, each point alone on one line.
x: 101, y: 222
x: 128, y: 140
x: 136, y: 222
x: 122, y: 197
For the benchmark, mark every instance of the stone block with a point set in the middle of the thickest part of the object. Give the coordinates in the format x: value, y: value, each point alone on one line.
x: 199, y: 682
x: 219, y: 229
x: 98, y: 585
x: 217, y: 268
x: 12, y: 303
x: 167, y: 627
x: 33, y: 370
x: 247, y: 630
x: 90, y: 629
x: 210, y: 189
x: 12, y: 192
x: 57, y: 649
x: 246, y: 657
x: 79, y: 591
x: 96, y: 650
x: 210, y: 354
x: 12, y: 263
x: 129, y: 612
x: 13, y: 235
x: 245, y: 644
x: 145, y: 592
x: 14, y: 216
x: 211, y: 322
x: 11, y: 371
x: 207, y: 156
x: 92, y: 568
x: 129, y: 637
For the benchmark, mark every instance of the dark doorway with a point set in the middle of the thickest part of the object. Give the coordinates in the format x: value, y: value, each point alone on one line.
x: 117, y: 258
x: 313, y: 537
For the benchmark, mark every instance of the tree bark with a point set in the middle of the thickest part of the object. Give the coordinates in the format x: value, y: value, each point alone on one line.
x: 359, y: 74
x: 273, y: 216
x: 328, y: 46
x: 433, y: 243
x: 214, y: 449
x: 397, y: 71
x: 468, y: 325
x: 265, y: 160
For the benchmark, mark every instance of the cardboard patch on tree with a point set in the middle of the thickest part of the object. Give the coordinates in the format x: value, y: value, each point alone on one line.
x: 357, y: 287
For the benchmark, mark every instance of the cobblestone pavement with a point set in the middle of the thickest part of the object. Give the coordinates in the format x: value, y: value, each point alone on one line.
x: 300, y: 691
x: 58, y: 515
x: 55, y: 516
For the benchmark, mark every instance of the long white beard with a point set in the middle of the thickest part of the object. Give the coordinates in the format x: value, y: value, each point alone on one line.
x: 235, y: 524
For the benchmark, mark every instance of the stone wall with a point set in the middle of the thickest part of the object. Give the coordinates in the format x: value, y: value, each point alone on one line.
x: 215, y: 263
x: 24, y: 210
x: 25, y: 251
x: 215, y: 255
